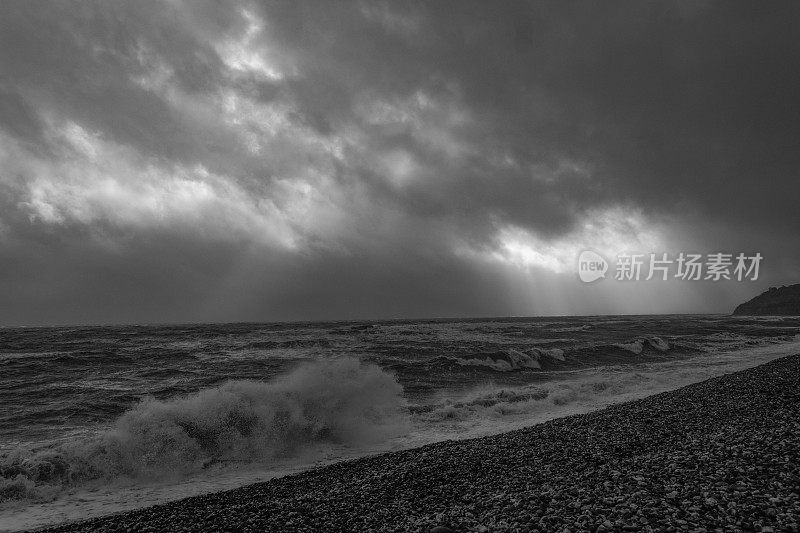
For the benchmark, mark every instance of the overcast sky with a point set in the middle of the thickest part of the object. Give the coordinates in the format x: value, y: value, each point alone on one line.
x: 224, y: 161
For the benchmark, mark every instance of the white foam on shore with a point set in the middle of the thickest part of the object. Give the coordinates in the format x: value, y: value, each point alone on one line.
x: 478, y: 412
x: 489, y: 410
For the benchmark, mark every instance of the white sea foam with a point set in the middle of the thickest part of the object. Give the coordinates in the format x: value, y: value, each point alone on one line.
x: 342, y: 402
x: 637, y: 346
x: 530, y: 358
x: 336, y: 410
x: 490, y: 409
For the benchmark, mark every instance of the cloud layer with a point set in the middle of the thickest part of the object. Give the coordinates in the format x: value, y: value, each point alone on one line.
x: 183, y: 161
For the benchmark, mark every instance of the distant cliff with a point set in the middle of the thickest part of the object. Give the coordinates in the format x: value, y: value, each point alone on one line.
x: 776, y: 301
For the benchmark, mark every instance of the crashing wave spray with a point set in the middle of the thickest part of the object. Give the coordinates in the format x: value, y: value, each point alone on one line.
x: 337, y: 401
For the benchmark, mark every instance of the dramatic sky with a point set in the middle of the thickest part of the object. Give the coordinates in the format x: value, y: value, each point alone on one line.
x: 186, y: 161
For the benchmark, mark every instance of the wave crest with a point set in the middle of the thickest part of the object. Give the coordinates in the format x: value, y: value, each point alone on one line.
x: 339, y: 401
x: 637, y: 345
x: 512, y: 359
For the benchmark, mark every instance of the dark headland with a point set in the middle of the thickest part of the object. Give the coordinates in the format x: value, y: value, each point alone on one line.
x: 776, y: 301
x: 721, y: 455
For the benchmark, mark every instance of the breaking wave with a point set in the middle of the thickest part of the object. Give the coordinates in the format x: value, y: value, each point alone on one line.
x: 636, y: 346
x: 512, y: 359
x: 537, y: 358
x: 580, y: 392
x: 338, y: 401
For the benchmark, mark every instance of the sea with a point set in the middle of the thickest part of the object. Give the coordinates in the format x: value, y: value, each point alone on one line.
x: 100, y: 419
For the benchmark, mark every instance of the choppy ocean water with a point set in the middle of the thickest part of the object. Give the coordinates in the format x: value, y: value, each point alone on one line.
x: 99, y: 419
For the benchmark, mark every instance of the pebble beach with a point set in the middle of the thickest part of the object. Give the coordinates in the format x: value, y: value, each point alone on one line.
x: 720, y: 455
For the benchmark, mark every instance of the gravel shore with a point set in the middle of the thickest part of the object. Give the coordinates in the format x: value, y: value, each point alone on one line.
x: 721, y: 455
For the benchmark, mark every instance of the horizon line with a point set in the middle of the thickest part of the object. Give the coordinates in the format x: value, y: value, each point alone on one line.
x: 344, y: 320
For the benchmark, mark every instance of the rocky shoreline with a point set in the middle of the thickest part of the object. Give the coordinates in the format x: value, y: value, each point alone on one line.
x: 721, y: 455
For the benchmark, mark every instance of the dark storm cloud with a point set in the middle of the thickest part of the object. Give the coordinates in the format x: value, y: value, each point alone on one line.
x: 667, y: 102
x: 220, y: 161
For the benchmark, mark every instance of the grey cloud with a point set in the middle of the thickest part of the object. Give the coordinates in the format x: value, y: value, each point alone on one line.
x: 520, y: 114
